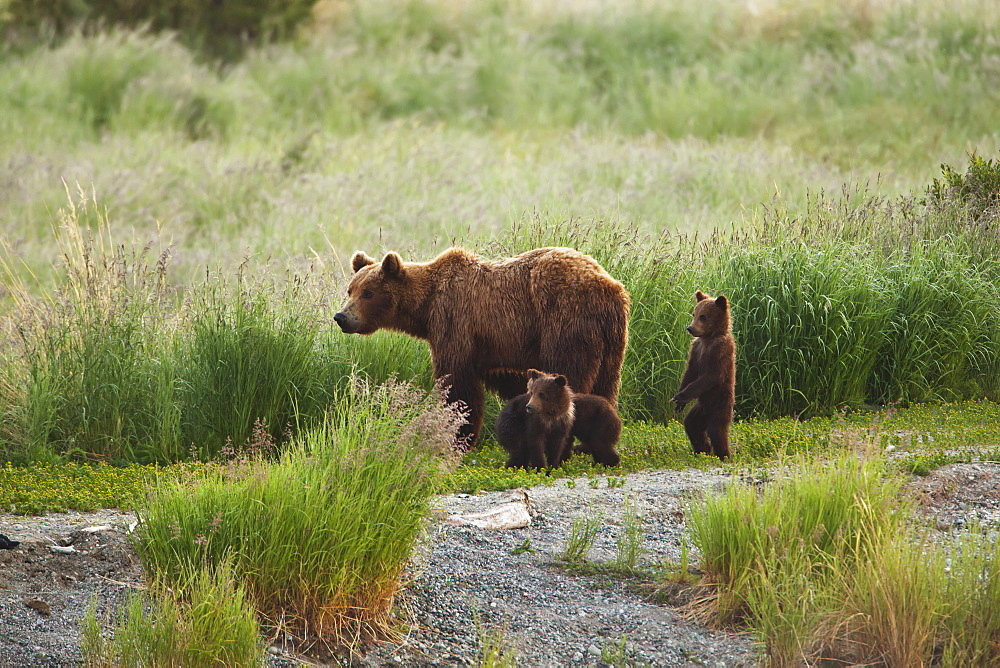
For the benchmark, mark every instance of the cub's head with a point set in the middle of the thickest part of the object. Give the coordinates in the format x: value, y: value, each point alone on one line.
x: 372, y: 295
x: 711, y: 316
x: 551, y: 396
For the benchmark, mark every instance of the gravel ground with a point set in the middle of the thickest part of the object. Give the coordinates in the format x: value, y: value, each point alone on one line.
x: 464, y: 580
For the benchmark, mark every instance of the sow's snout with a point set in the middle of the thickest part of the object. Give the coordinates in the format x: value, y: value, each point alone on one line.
x: 343, y: 321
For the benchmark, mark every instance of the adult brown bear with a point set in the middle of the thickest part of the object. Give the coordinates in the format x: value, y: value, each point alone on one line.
x: 489, y: 321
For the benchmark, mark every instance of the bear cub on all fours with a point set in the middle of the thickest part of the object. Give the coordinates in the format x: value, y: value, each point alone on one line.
x: 597, y: 427
x: 710, y: 377
x: 536, y: 428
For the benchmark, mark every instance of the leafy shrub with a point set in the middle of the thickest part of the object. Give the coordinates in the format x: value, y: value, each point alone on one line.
x: 978, y: 188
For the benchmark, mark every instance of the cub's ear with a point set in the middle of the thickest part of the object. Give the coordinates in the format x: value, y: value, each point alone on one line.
x: 698, y: 296
x: 560, y: 380
x: 534, y: 374
x: 392, y: 265
x: 360, y: 261
x: 722, y: 302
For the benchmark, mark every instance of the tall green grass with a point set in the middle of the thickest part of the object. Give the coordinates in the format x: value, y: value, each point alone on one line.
x: 856, y: 301
x: 320, y: 537
x: 825, y: 564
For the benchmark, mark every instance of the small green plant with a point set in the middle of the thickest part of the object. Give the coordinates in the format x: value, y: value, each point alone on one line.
x: 571, y: 483
x: 524, y: 547
x: 595, y: 483
x: 582, y: 534
x: 629, y: 543
x: 495, y: 648
x: 617, y: 653
x: 616, y: 481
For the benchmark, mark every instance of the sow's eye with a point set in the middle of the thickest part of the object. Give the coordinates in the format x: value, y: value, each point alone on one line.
x: 702, y: 318
x: 367, y: 294
x: 541, y: 395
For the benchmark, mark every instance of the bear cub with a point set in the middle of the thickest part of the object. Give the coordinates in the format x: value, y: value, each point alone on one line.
x: 537, y: 428
x: 534, y: 427
x: 710, y: 377
x: 597, y: 427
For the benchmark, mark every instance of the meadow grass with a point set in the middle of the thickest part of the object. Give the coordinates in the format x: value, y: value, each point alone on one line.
x: 409, y: 125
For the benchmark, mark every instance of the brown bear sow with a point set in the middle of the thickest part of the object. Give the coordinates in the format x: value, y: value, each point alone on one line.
x: 597, y: 426
x: 488, y: 322
x: 534, y: 427
x: 710, y: 377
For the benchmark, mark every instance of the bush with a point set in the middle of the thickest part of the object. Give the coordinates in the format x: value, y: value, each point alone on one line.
x: 221, y: 28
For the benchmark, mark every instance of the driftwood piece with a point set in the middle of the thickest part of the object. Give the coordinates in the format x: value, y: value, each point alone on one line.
x: 512, y: 515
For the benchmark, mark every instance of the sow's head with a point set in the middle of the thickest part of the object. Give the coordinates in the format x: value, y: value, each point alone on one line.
x: 372, y: 294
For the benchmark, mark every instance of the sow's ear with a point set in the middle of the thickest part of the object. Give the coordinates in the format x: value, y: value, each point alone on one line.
x: 722, y: 302
x: 360, y: 261
x: 698, y: 296
x: 392, y: 265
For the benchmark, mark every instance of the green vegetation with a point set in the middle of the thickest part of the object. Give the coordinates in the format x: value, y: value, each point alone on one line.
x: 582, y: 534
x: 826, y: 563
x: 410, y: 124
x: 321, y: 536
x: 783, y: 153
x: 205, y: 619
x: 882, y: 303
x: 924, y: 437
x: 496, y: 649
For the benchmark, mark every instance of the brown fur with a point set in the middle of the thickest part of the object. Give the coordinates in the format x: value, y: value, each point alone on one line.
x: 487, y: 322
x: 597, y: 426
x: 534, y: 427
x: 710, y: 377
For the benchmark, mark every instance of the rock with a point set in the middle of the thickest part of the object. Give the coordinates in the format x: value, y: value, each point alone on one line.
x: 40, y: 606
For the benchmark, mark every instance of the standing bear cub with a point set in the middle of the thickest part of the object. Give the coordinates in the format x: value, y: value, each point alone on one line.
x: 537, y: 428
x: 710, y: 377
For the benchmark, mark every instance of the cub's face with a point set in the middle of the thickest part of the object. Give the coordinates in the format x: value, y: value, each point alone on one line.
x: 371, y: 294
x: 550, y: 394
x: 711, y: 316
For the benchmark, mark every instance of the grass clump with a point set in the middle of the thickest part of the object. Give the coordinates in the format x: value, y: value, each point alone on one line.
x: 87, y: 373
x: 582, y: 534
x: 825, y: 563
x: 820, y: 512
x: 320, y: 537
x: 206, y: 618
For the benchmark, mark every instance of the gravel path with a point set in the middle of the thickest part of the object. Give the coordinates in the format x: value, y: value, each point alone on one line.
x: 471, y: 577
x: 464, y: 580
